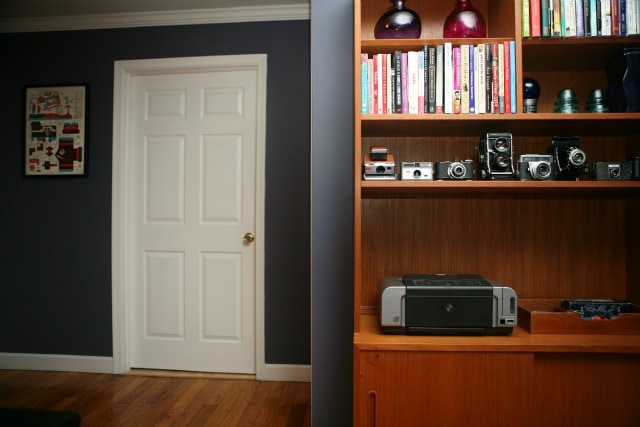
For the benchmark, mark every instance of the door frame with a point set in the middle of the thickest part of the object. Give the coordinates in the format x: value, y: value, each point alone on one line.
x: 124, y: 72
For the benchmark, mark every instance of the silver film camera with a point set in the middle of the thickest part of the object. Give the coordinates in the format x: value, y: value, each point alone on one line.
x: 456, y: 169
x: 495, y: 156
x: 416, y: 171
x: 536, y: 167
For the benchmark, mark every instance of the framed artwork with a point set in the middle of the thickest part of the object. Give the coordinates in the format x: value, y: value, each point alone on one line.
x: 56, y: 130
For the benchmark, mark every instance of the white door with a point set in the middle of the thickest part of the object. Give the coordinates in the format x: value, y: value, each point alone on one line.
x: 194, y: 182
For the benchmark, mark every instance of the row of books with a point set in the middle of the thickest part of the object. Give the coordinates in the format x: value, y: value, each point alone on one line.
x: 443, y: 78
x: 580, y: 18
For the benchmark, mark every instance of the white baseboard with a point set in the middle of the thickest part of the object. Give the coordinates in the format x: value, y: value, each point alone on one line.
x: 104, y: 365
x: 299, y: 373
x: 56, y: 362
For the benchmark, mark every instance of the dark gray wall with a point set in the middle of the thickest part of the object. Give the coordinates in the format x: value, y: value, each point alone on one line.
x: 55, y: 287
x: 332, y: 211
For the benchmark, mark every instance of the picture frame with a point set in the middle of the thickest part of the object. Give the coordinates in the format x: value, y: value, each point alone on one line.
x: 56, y: 123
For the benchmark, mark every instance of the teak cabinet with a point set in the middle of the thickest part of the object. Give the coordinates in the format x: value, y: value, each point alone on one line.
x: 545, y: 239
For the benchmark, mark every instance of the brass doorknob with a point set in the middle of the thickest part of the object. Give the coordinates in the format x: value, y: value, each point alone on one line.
x: 249, y: 237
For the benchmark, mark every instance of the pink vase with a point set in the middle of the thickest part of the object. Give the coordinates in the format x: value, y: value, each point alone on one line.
x: 465, y: 21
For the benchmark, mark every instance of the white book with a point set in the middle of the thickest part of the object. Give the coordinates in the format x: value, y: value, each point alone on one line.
x: 448, y: 78
x: 439, y: 78
x: 481, y: 81
x: 605, y: 14
x: 412, y: 83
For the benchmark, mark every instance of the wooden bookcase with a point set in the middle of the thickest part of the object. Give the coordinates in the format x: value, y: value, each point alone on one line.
x: 545, y: 239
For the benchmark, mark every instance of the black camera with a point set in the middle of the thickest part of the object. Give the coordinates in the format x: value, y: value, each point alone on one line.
x: 635, y: 167
x: 604, y: 171
x: 456, y: 169
x: 536, y: 167
x: 495, y: 156
x: 571, y: 160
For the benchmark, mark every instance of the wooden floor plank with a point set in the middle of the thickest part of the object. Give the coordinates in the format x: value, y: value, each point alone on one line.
x: 136, y: 400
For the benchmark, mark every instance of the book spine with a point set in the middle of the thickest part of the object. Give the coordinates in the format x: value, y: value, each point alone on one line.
x: 501, y: 78
x: 456, y: 80
x: 623, y: 18
x: 606, y: 17
x: 557, y: 18
x: 631, y: 17
x: 472, y: 79
x: 534, y: 16
x: 489, y: 81
x: 545, y: 24
x: 448, y: 78
x: 364, y: 84
x: 615, y: 17
x: 370, y: 81
x: 514, y: 86
x: 507, y: 78
x: 385, y: 88
x: 390, y: 91
x: 494, y: 78
x: 397, y: 77
x: 570, y: 18
x: 421, y: 98
x: 404, y: 77
x: 593, y: 18
x: 580, y: 18
x: 432, y: 81
x: 425, y: 82
x: 587, y: 18
x: 526, y: 20
x: 440, y: 78
x: 464, y: 79
x: 481, y: 82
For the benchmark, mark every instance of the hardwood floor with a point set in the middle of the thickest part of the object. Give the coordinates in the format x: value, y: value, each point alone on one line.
x: 159, y: 400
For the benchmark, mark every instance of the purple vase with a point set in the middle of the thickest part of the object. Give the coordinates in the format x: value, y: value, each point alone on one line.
x: 398, y: 23
x: 465, y: 21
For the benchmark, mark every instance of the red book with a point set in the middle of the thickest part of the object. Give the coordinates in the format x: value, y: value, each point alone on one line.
x: 534, y: 18
x: 494, y: 78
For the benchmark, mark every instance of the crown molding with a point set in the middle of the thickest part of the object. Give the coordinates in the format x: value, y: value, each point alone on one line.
x: 155, y: 19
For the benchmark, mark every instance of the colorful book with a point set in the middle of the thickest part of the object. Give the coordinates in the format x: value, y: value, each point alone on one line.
x: 580, y: 32
x: 421, y: 82
x: 397, y: 83
x: 465, y: 81
x: 526, y: 22
x: 545, y: 21
x: 481, y: 81
x: 404, y: 78
x: 472, y: 79
x: 456, y: 80
x: 507, y: 78
x: 364, y: 84
x: 500, y: 78
x: 440, y: 78
x: 534, y: 17
x: 494, y: 78
x: 514, y: 86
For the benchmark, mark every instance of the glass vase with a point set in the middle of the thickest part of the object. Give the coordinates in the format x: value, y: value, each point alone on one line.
x: 398, y: 23
x: 465, y: 21
x: 631, y: 79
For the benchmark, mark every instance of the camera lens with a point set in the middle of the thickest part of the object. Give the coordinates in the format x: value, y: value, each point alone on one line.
x: 501, y: 160
x: 577, y: 157
x: 457, y: 170
x: 417, y: 174
x: 540, y: 170
x: 501, y: 144
x: 614, y: 172
x: 380, y: 169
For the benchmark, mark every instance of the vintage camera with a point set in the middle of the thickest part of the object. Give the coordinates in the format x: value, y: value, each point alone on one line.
x: 379, y: 169
x: 604, y: 171
x: 456, y: 169
x: 635, y: 167
x: 416, y: 171
x: 536, y: 167
x: 571, y: 161
x: 495, y: 156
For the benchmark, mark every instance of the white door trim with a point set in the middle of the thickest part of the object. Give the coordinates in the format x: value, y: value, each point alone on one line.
x: 124, y: 71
